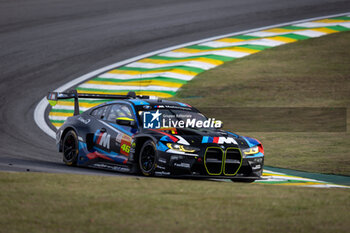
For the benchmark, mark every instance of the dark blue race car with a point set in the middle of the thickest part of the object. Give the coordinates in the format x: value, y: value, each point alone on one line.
x: 154, y: 137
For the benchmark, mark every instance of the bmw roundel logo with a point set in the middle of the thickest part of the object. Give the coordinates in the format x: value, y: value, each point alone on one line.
x: 222, y: 147
x: 146, y: 107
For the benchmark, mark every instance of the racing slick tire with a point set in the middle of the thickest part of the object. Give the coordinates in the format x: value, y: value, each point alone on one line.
x: 70, y: 148
x: 148, y: 158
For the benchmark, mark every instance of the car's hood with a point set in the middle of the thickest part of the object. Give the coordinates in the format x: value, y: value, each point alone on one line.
x: 198, y: 137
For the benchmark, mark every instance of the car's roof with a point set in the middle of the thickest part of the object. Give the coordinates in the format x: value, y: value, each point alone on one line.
x: 152, y: 102
x: 139, y: 103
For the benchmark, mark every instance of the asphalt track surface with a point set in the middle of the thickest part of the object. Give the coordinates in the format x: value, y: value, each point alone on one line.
x: 44, y: 44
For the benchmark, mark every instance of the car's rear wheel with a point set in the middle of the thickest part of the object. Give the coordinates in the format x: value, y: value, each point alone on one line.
x: 70, y: 148
x: 148, y: 158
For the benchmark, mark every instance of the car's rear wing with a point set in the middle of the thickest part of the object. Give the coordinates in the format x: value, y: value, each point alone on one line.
x: 52, y: 97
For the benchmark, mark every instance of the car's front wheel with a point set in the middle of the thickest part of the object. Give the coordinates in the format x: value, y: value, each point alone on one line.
x: 148, y: 158
x: 70, y: 148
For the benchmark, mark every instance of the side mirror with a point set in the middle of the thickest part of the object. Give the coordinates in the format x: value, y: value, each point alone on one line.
x: 126, y: 121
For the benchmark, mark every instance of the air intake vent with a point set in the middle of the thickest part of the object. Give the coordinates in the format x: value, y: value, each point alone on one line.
x: 233, y: 161
x: 213, y: 160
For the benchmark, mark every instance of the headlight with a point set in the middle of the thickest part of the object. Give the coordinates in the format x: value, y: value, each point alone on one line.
x: 183, y: 148
x: 251, y: 151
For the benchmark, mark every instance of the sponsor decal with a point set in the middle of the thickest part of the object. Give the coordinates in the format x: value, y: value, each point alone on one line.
x: 127, y: 138
x: 119, y: 137
x: 176, y: 157
x: 162, y: 173
x: 85, y: 121
x: 125, y: 144
x: 104, y: 140
x: 125, y: 149
x: 258, y: 166
x: 184, y: 104
x: 161, y: 160
x: 219, y: 140
x: 152, y: 119
x: 184, y: 165
x: 181, y: 140
x: 160, y: 167
x: 110, y: 167
x: 156, y: 120
x: 193, y: 123
x: 133, y: 144
x: 159, y: 106
x: 177, y: 107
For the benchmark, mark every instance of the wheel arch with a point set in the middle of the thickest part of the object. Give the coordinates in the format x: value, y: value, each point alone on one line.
x: 139, y: 143
x: 64, y: 132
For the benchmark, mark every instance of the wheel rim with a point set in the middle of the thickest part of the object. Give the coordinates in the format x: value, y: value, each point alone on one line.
x: 148, y: 158
x: 69, y: 148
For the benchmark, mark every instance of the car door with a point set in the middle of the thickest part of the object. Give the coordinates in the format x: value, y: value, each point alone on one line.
x: 102, y: 133
x: 122, y: 139
x: 105, y: 150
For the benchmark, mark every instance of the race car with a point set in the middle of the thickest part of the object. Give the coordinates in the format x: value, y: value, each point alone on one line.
x: 154, y: 137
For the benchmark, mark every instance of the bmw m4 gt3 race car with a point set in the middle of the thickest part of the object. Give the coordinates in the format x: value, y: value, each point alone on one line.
x: 154, y: 137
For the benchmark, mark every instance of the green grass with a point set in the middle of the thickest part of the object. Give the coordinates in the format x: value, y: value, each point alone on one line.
x: 34, y: 202
x: 310, y: 73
